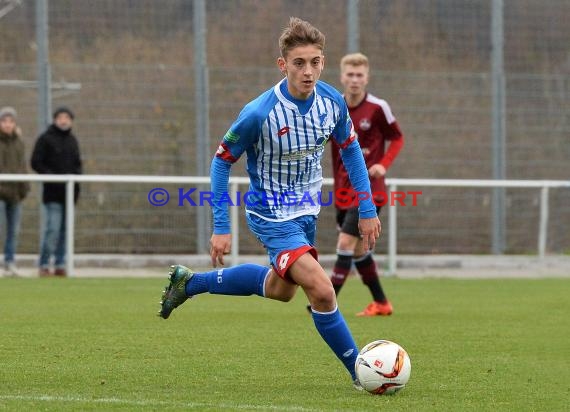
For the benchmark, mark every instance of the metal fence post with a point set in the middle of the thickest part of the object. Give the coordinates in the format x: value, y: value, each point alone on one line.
x: 201, y: 107
x: 43, y: 79
x: 234, y: 212
x: 543, y: 225
x: 498, y: 125
x: 353, y: 26
x: 43, y: 66
x: 69, y: 225
x: 392, y: 234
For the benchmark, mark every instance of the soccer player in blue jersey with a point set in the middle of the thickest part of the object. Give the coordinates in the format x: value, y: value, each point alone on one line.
x: 284, y: 132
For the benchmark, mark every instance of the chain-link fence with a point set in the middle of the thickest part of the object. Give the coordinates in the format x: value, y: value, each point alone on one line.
x: 133, y: 64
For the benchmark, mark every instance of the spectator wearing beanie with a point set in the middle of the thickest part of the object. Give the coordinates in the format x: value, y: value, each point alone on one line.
x: 56, y: 152
x: 12, y: 160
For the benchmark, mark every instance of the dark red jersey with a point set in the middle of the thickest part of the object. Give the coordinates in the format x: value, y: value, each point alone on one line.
x: 375, y: 125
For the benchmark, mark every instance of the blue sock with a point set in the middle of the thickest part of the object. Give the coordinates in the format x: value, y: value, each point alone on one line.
x: 335, y: 332
x: 241, y: 280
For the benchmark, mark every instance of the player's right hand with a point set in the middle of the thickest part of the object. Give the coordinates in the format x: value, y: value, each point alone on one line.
x: 220, y: 245
x: 370, y: 230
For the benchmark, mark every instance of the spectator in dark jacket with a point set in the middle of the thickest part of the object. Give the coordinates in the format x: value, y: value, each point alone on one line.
x: 56, y: 152
x: 12, y: 160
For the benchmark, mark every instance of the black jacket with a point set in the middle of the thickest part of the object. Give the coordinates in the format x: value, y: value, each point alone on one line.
x: 56, y: 152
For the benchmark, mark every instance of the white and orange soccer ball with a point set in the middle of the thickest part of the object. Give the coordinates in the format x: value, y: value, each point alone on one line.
x: 383, y: 367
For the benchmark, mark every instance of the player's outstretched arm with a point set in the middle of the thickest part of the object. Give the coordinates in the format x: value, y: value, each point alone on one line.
x: 242, y: 134
x: 369, y: 224
x: 220, y: 242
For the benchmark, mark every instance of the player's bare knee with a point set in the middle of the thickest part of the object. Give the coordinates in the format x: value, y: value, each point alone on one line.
x: 359, y: 250
x: 323, y: 297
x: 346, y: 242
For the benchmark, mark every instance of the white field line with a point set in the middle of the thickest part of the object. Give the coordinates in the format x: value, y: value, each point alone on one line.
x: 152, y: 403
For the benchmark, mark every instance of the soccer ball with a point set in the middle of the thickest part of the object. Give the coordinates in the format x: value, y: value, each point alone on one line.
x: 383, y: 367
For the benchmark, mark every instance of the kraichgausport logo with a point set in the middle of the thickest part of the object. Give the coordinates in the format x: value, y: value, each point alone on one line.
x: 341, y: 198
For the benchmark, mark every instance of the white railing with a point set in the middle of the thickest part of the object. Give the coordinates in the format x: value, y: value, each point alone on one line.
x: 235, y: 182
x: 544, y: 185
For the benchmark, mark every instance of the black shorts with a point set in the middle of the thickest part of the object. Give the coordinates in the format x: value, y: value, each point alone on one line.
x: 347, y: 220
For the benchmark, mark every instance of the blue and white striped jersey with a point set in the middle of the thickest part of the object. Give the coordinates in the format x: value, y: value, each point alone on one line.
x: 284, y: 140
x: 284, y: 149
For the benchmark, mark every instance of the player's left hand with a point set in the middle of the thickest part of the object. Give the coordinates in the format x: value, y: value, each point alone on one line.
x: 370, y: 230
x: 377, y: 170
x: 219, y: 245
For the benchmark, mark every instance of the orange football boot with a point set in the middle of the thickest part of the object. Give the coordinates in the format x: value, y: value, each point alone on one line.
x: 377, y: 309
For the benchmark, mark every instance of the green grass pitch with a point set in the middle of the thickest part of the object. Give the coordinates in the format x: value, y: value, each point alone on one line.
x: 97, y: 344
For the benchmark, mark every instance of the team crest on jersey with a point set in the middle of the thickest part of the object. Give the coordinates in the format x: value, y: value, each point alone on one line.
x: 321, y: 140
x: 364, y: 124
x: 323, y: 118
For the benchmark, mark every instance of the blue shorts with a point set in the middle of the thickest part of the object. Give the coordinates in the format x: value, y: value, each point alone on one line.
x: 285, y: 241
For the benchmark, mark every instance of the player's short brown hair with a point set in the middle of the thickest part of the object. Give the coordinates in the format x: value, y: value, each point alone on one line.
x: 300, y: 33
x: 354, y: 59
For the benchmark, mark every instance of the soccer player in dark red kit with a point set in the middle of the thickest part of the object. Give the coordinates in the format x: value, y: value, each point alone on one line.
x: 376, y: 127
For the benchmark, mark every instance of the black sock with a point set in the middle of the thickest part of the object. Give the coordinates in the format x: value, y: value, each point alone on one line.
x: 367, y: 269
x: 341, y: 270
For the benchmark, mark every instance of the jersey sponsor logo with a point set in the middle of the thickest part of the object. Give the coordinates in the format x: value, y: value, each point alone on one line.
x: 283, y: 260
x: 303, y: 154
x: 282, y: 131
x: 231, y: 137
x: 365, y: 124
